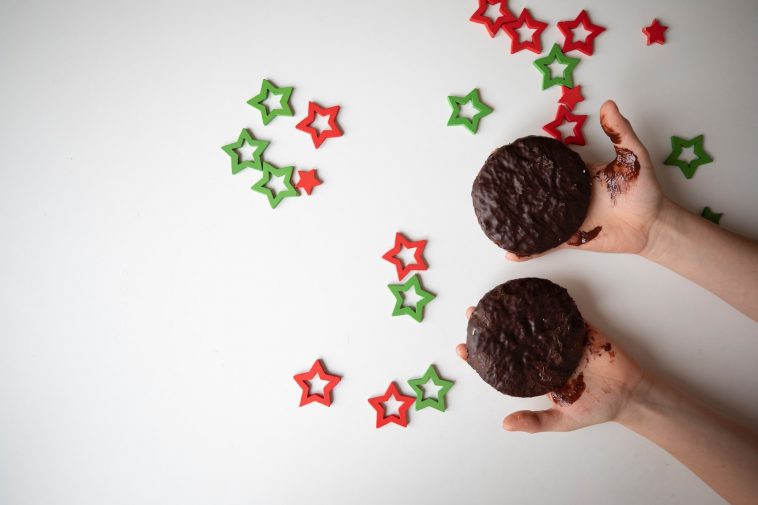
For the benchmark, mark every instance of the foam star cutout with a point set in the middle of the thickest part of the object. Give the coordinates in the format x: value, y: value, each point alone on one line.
x: 688, y: 169
x: 562, y: 116
x: 268, y: 88
x: 402, y: 242
x: 655, y: 33
x: 246, y: 137
x: 419, y: 387
x: 275, y: 198
x: 571, y: 96
x: 402, y: 415
x: 543, y: 65
x: 398, y: 291
x: 317, y: 136
x: 492, y: 25
x: 713, y: 217
x: 512, y: 27
x: 482, y: 110
x: 567, y: 29
x: 303, y: 380
x: 307, y: 180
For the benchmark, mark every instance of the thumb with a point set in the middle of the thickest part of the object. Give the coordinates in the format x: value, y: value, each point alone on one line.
x: 531, y: 421
x: 618, y: 128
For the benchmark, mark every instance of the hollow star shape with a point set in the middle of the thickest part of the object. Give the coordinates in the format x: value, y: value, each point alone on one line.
x: 480, y: 15
x: 417, y: 385
x: 710, y: 215
x: 402, y: 242
x: 246, y: 137
x: 307, y: 180
x: 275, y: 199
x: 567, y: 29
x: 655, y: 33
x: 402, y: 415
x: 562, y: 115
x: 302, y: 380
x: 284, y: 94
x: 571, y: 96
x: 512, y: 27
x: 543, y: 65
x: 482, y: 110
x: 688, y: 169
x: 319, y: 137
x: 416, y: 312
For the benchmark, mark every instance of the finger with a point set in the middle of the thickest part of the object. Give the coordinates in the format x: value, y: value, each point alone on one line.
x: 462, y: 351
x: 469, y: 311
x: 531, y: 421
x: 520, y: 259
x: 618, y: 128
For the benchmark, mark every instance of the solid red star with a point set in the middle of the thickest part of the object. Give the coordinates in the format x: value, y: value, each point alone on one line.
x: 535, y: 44
x: 303, y: 380
x: 656, y: 33
x: 320, y: 136
x: 402, y: 415
x: 479, y: 16
x: 562, y: 116
x: 571, y: 96
x: 418, y: 256
x: 567, y: 29
x: 307, y: 180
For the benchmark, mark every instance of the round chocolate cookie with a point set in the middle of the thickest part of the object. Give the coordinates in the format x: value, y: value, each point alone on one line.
x: 525, y: 337
x: 531, y: 195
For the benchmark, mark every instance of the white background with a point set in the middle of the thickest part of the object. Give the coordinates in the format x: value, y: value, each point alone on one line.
x: 153, y: 309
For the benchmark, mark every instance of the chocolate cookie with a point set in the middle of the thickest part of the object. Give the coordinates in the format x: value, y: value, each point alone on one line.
x: 525, y: 337
x: 531, y: 195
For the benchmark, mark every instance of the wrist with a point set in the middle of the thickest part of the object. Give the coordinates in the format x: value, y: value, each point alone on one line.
x: 665, y: 232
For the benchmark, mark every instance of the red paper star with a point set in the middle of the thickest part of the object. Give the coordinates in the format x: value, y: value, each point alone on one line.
x: 307, y: 180
x: 571, y: 96
x: 479, y: 16
x: 588, y: 46
x: 562, y: 116
x: 320, y: 137
x: 303, y: 379
x: 402, y: 417
x: 656, y: 33
x: 534, y: 45
x: 418, y: 256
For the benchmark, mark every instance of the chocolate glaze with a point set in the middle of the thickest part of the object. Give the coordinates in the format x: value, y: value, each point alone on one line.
x: 612, y: 134
x: 620, y: 174
x: 596, y: 348
x: 582, y: 237
x: 569, y: 392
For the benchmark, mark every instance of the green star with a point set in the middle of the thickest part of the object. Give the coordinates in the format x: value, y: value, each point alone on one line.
x: 688, y: 169
x: 398, y: 290
x: 268, y: 88
x: 246, y: 137
x: 713, y: 217
x: 419, y: 387
x: 275, y: 198
x: 472, y: 123
x: 543, y: 65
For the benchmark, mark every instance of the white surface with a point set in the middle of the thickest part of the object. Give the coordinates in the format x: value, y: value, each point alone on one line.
x: 153, y: 309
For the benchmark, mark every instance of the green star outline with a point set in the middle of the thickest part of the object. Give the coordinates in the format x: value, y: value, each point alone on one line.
x: 268, y: 171
x: 416, y: 312
x: 268, y: 87
x: 482, y: 110
x: 543, y: 65
x: 417, y: 387
x: 246, y: 136
x: 710, y: 215
x: 688, y: 169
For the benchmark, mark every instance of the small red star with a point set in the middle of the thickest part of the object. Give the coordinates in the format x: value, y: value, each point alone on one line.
x: 567, y: 29
x: 571, y: 96
x: 307, y: 180
x: 402, y: 416
x: 656, y: 33
x: 562, y: 116
x: 319, y: 137
x: 492, y: 25
x: 535, y: 44
x: 303, y: 380
x: 418, y: 256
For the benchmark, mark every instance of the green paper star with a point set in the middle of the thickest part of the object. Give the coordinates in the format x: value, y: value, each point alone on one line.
x: 267, y: 88
x: 482, y: 110
x: 688, y: 169
x: 713, y: 217
x: 543, y: 65
x: 275, y: 199
x: 418, y: 387
x: 246, y: 137
x: 400, y: 309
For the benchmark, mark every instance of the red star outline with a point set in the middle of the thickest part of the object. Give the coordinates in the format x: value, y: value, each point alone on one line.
x: 302, y: 380
x: 402, y: 417
x: 492, y: 26
x: 567, y: 29
x: 307, y: 180
x: 534, y: 45
x: 571, y: 96
x: 401, y: 241
x: 562, y: 115
x: 655, y: 33
x: 319, y: 137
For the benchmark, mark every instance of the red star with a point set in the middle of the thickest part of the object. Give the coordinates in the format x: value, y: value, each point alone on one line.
x: 479, y: 16
x: 534, y: 45
x: 418, y: 256
x: 656, y: 33
x: 303, y: 379
x: 307, y: 180
x: 571, y: 96
x: 567, y: 29
x: 402, y: 417
x: 562, y: 116
x: 320, y: 137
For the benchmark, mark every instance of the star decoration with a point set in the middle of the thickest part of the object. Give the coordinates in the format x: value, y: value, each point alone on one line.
x: 543, y: 65
x: 307, y: 180
x: 398, y: 291
x: 688, y: 169
x: 401, y: 418
x: 713, y: 217
x: 267, y: 89
x: 567, y: 29
x: 482, y: 110
x: 571, y: 96
x: 492, y: 25
x: 303, y: 380
x: 246, y: 137
x: 563, y: 115
x: 418, y: 386
x: 402, y: 242
x: 319, y: 137
x: 655, y: 33
x: 275, y: 198
x: 512, y: 27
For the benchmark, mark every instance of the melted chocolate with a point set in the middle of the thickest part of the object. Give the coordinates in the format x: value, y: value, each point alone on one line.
x: 612, y: 134
x: 582, y: 237
x: 620, y: 173
x: 569, y: 392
